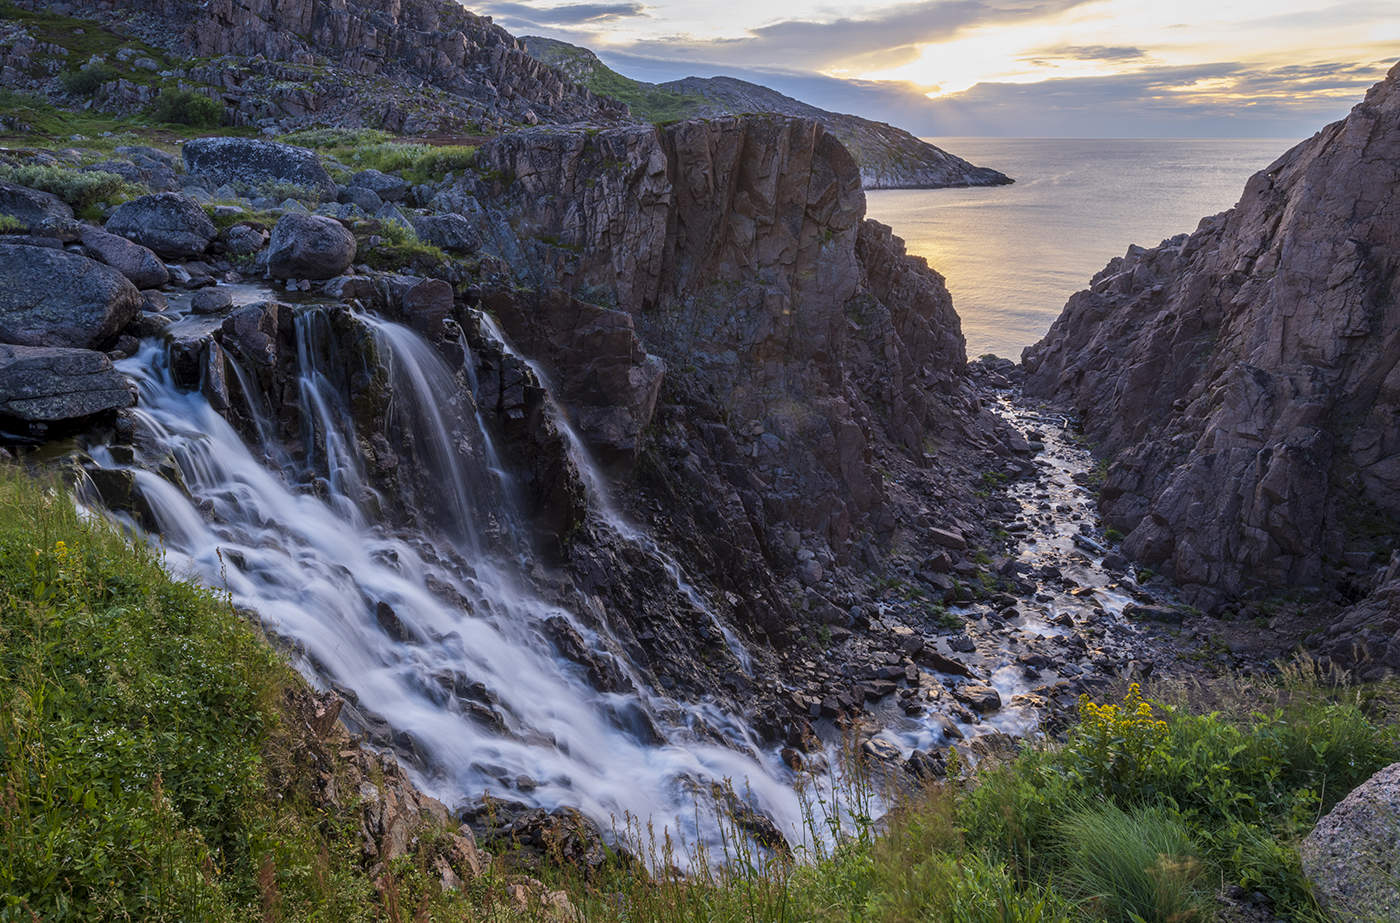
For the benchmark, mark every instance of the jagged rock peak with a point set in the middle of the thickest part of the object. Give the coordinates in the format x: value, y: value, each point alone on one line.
x: 1244, y: 380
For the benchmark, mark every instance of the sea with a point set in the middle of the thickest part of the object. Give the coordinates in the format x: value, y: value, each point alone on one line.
x: 1014, y: 254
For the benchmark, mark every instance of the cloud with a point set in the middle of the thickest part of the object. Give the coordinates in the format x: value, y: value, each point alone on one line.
x: 568, y: 14
x: 888, y: 37
x: 1085, y: 53
x: 1221, y: 100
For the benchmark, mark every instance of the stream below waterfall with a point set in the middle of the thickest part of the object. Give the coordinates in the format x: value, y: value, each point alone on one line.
x: 440, y: 642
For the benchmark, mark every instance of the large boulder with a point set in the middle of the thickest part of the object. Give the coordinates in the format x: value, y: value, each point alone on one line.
x: 137, y: 263
x: 452, y: 233
x: 167, y: 222
x: 1352, y: 856
x: 40, y: 384
x: 249, y: 163
x: 30, y: 206
x: 55, y: 298
x: 309, y: 247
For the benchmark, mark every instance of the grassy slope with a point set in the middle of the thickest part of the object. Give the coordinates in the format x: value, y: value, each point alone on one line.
x: 647, y: 101
x: 147, y: 767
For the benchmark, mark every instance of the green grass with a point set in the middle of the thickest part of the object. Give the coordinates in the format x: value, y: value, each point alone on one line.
x: 368, y: 149
x: 146, y: 767
x: 1138, y: 865
x: 397, y: 247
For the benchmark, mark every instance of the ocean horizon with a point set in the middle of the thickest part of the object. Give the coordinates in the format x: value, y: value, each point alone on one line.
x: 1013, y: 255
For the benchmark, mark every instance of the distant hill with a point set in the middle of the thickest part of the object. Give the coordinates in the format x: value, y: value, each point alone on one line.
x: 889, y: 157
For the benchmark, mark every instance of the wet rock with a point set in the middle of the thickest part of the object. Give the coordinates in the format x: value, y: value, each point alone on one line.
x: 881, y: 749
x: 211, y: 301
x: 118, y: 491
x: 137, y: 263
x: 927, y: 765
x: 1352, y: 855
x: 978, y: 696
x: 56, y: 298
x: 167, y: 222
x: 249, y: 164
x: 309, y: 247
x: 31, y: 207
x: 934, y: 659
x: 49, y: 385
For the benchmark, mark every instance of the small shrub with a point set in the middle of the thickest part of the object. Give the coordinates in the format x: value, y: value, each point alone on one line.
x: 1138, y: 867
x: 89, y: 80
x: 187, y: 107
x: 82, y: 189
x: 10, y: 224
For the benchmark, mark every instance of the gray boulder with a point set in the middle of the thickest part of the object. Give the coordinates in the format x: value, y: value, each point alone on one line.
x: 55, y: 298
x: 1352, y: 856
x: 167, y: 222
x: 137, y: 263
x: 253, y: 163
x: 243, y: 239
x: 452, y: 233
x: 388, y: 187
x: 41, y: 384
x: 367, y: 199
x: 309, y: 247
x: 32, y: 207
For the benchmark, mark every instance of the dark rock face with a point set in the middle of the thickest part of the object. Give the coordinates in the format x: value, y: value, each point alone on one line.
x: 452, y: 233
x: 249, y: 163
x: 1244, y: 380
x: 32, y: 207
x: 48, y: 385
x: 137, y: 263
x: 408, y: 66
x: 167, y: 222
x: 309, y: 247
x: 55, y: 298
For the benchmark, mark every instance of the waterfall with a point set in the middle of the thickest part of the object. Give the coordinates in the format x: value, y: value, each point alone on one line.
x: 431, y: 633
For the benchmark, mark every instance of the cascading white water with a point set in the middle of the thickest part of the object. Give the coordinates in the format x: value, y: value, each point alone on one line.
x: 437, y: 641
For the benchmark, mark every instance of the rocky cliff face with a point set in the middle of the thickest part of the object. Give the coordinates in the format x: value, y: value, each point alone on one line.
x: 404, y: 65
x: 1243, y: 381
x: 738, y: 252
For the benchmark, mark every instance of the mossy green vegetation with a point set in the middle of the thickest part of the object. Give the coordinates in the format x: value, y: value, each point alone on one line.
x: 146, y: 769
x: 82, y: 189
x: 187, y: 107
x: 369, y: 149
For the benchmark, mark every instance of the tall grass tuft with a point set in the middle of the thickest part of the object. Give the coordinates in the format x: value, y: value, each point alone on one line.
x: 1136, y: 866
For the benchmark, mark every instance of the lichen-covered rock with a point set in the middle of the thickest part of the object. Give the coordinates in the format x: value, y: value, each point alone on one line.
x: 50, y: 385
x: 1244, y: 380
x: 55, y: 298
x: 169, y: 223
x: 450, y: 232
x: 251, y: 164
x: 1352, y: 856
x: 32, y: 207
x: 309, y: 247
x: 137, y: 263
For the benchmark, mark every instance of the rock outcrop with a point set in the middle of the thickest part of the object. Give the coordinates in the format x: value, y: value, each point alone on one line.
x: 137, y: 263
x: 169, y: 223
x: 309, y: 247
x: 1243, y: 381
x: 55, y: 298
x: 1352, y: 856
x: 32, y: 207
x: 250, y: 164
x: 50, y: 385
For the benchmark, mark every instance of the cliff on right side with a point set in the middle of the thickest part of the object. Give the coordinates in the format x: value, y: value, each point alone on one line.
x: 1242, y: 383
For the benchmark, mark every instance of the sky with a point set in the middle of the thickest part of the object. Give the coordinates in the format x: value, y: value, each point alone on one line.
x: 1008, y: 68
